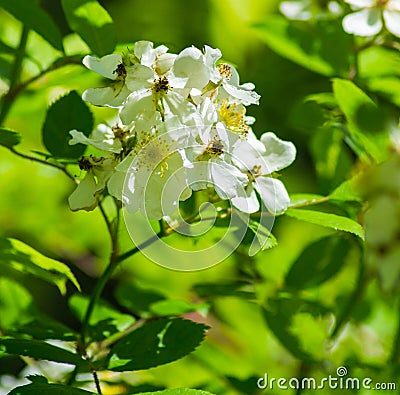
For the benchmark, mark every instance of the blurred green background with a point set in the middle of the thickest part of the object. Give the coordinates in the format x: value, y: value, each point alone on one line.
x: 239, y: 347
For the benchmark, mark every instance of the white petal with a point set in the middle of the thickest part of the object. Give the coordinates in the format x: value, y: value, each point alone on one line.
x: 139, y: 108
x: 83, y: 198
x: 393, y: 5
x: 367, y: 22
x: 278, y: 153
x: 361, y: 3
x: 298, y: 10
x: 392, y: 21
x: 139, y: 77
x: 190, y: 64
x: 212, y: 55
x: 245, y: 97
x: 228, y: 180
x: 273, y: 193
x: 115, y: 184
x: 104, y: 66
x: 110, y: 96
x: 248, y: 202
x: 198, y: 176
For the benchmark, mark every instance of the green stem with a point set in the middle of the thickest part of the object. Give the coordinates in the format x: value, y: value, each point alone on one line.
x: 44, y: 162
x: 15, y: 74
x: 311, y: 202
x: 133, y: 251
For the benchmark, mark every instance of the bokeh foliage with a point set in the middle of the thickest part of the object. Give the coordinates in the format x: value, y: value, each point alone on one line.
x: 325, y: 296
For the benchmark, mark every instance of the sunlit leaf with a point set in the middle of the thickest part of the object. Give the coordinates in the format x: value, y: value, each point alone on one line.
x: 35, y: 18
x: 67, y: 113
x: 320, y: 47
x: 15, y: 304
x: 279, y: 314
x: 93, y: 23
x: 16, y: 255
x: 176, y: 307
x: 9, y: 138
x: 347, y: 191
x: 38, y: 350
x: 329, y: 220
x: 365, y: 121
x: 319, y: 262
x: 156, y: 343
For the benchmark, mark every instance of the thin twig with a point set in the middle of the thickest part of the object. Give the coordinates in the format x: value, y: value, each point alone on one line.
x: 44, y: 162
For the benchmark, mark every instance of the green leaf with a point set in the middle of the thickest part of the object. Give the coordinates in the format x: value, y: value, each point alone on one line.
x: 9, y: 138
x: 5, y: 48
x: 38, y: 350
x: 46, y: 328
x: 93, y: 23
x: 15, y: 304
x: 322, y: 47
x: 365, y: 121
x: 164, y: 308
x: 329, y: 220
x: 263, y: 239
x: 67, y: 113
x: 377, y: 61
x: 319, y: 262
x: 156, y: 343
x: 35, y: 18
x: 137, y: 299
x: 48, y: 389
x: 347, y: 191
x: 18, y: 256
x: 105, y: 319
x: 279, y: 315
x: 177, y: 391
x: 304, y: 198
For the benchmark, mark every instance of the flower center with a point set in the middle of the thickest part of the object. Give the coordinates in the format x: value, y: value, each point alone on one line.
x: 233, y: 117
x: 225, y: 70
x: 254, y: 173
x: 120, y: 71
x: 215, y: 147
x: 153, y: 153
x: 161, y: 85
x: 87, y: 162
x: 381, y: 3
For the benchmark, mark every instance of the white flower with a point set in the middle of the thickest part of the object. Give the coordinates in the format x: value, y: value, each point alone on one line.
x: 146, y: 108
x: 208, y: 164
x: 367, y: 21
x: 99, y: 170
x: 259, y: 159
x: 118, y: 68
x: 113, y: 68
x: 102, y: 138
x: 147, y: 171
x: 303, y: 10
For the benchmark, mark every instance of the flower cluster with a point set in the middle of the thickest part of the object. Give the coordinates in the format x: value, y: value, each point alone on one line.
x: 181, y: 127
